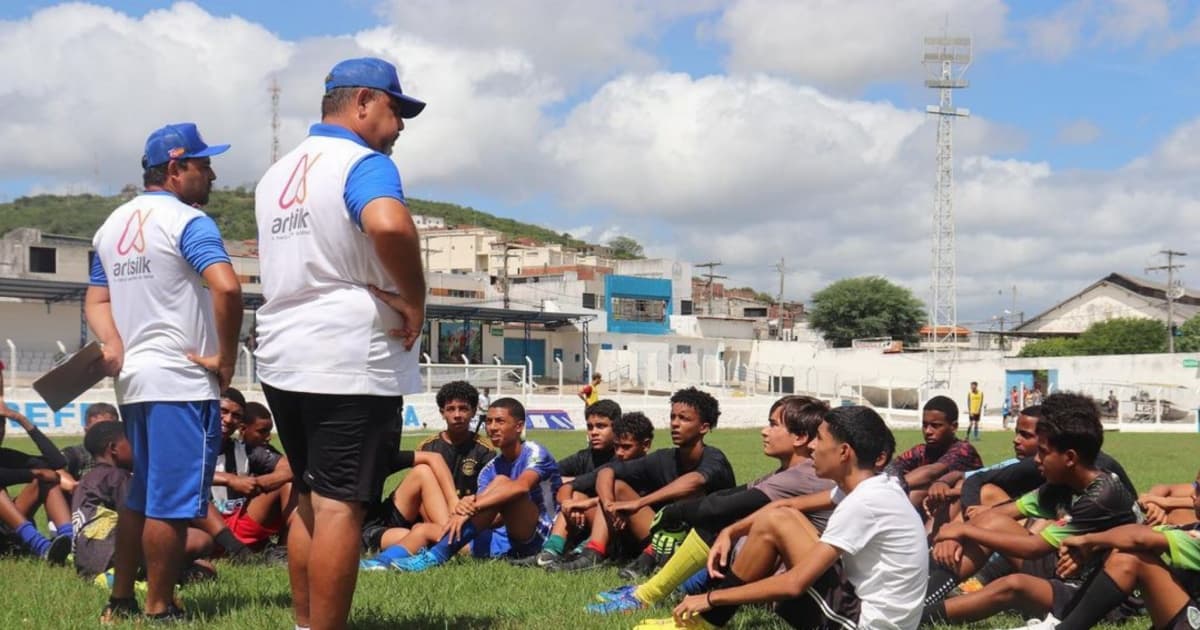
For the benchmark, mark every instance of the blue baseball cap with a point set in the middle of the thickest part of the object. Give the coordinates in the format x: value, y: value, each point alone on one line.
x: 178, y: 141
x: 377, y: 74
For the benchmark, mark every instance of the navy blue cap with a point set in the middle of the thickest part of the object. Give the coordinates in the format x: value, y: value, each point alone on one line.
x: 178, y: 141
x: 377, y: 74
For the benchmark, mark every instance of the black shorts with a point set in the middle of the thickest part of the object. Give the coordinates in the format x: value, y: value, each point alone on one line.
x: 381, y: 518
x: 1188, y: 617
x: 829, y: 604
x: 974, y: 417
x: 337, y: 445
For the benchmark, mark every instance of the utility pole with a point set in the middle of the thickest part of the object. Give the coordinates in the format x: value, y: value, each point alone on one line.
x: 782, y: 269
x: 274, y: 91
x: 425, y: 248
x: 708, y: 285
x: 505, y: 247
x: 1173, y: 292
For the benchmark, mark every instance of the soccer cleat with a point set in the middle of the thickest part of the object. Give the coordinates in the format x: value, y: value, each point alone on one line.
x: 1049, y: 623
x: 58, y: 551
x: 589, y: 559
x: 620, y: 591
x: 624, y: 604
x: 542, y: 559
x: 417, y: 563
x: 641, y: 567
x: 374, y: 564
x: 118, y: 610
x: 105, y: 581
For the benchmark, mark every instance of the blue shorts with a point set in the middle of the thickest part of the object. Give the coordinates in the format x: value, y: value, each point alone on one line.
x: 175, y: 446
x: 495, y: 543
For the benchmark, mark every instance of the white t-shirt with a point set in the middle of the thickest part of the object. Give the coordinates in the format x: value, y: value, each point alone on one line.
x: 160, y: 305
x: 320, y: 330
x: 884, y: 552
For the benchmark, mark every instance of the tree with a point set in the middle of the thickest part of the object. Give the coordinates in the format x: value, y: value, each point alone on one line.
x: 625, y: 248
x: 1189, y: 336
x: 866, y: 307
x: 1122, y: 335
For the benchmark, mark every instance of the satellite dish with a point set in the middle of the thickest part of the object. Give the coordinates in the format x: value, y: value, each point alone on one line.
x: 1175, y: 291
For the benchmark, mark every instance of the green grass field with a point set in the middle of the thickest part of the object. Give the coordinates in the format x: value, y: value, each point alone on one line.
x: 473, y: 594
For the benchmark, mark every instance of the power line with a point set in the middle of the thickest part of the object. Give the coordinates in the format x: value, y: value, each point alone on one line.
x: 708, y: 285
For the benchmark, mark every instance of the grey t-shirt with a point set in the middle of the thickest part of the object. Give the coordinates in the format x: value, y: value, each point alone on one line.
x: 798, y: 480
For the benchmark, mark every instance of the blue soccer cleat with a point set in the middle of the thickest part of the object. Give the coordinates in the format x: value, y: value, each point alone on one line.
x: 416, y: 564
x: 624, y: 603
x: 373, y: 564
x: 616, y: 593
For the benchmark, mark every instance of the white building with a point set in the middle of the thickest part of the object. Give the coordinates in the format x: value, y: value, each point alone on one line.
x: 1116, y: 295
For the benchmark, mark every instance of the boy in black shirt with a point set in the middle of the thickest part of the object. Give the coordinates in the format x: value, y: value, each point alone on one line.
x: 600, y: 417
x: 631, y: 492
x: 18, y: 467
x: 1077, y: 497
x: 79, y: 460
x: 465, y: 451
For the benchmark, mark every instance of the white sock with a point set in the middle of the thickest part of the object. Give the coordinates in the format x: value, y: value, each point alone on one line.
x: 300, y: 627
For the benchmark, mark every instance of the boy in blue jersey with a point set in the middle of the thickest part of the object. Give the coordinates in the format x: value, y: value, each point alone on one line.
x: 514, y: 508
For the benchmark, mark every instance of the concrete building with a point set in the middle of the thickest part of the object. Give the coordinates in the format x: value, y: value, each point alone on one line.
x: 1115, y: 295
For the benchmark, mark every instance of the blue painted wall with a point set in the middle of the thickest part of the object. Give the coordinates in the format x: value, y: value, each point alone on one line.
x: 637, y: 288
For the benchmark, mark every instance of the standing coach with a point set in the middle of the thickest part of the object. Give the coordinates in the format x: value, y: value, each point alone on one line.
x: 171, y: 343
x: 345, y: 304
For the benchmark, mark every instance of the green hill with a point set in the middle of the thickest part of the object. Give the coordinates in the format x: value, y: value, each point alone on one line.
x: 80, y: 215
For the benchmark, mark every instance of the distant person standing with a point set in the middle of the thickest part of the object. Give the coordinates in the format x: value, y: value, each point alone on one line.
x: 165, y: 302
x: 590, y: 393
x: 485, y: 401
x: 974, y: 410
x: 341, y: 271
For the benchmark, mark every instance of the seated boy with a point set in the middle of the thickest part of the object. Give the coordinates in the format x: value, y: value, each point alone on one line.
x: 788, y: 437
x: 941, y: 453
x: 40, y: 473
x: 465, y: 452
x: 79, y: 460
x: 864, y: 571
x: 94, y: 508
x: 512, y: 513
x: 425, y: 495
x: 1078, y: 498
x: 578, y: 503
x: 252, y: 486
x: 600, y: 417
x: 1163, y: 562
x: 632, y: 492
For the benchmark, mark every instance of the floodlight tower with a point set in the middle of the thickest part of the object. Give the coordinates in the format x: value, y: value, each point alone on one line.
x: 274, y: 91
x: 947, y: 59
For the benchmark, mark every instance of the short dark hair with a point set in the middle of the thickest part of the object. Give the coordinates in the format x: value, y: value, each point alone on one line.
x: 606, y: 408
x: 339, y: 98
x: 864, y: 431
x: 100, y: 409
x: 236, y: 396
x: 944, y: 404
x: 254, y: 412
x: 802, y: 415
x: 461, y: 391
x: 1033, y: 411
x: 157, y: 175
x: 634, y: 423
x: 511, y: 405
x: 1071, y: 421
x: 703, y: 402
x: 102, y: 435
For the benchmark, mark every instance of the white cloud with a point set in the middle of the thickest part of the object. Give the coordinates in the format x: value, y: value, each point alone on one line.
x: 1081, y: 131
x: 1102, y: 23
x: 842, y: 45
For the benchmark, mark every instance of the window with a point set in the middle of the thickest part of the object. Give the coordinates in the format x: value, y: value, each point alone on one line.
x: 754, y: 312
x: 42, y: 260
x: 639, y: 310
x: 682, y: 349
x: 685, y: 307
x: 589, y: 300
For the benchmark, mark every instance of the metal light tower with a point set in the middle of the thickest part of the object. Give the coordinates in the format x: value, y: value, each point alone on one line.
x: 947, y: 59
x: 274, y: 91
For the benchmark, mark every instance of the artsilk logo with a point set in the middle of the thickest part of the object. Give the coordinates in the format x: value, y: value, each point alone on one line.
x: 295, y: 193
x: 137, y: 241
x: 133, y: 239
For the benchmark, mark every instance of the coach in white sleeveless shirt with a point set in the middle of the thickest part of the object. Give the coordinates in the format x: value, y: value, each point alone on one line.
x: 345, y: 299
x: 171, y: 343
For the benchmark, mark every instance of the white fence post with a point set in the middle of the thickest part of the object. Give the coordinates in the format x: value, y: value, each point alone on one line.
x: 560, y: 375
x: 12, y: 361
x: 467, y: 369
x: 428, y: 372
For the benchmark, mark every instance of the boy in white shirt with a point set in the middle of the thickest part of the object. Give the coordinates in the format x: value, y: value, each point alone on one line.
x: 864, y: 571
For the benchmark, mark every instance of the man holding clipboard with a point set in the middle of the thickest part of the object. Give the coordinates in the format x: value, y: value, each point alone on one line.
x: 171, y: 343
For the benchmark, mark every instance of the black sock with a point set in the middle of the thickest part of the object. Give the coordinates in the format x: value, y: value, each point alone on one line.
x: 941, y: 582
x: 934, y: 614
x: 1101, y: 596
x: 230, y: 543
x: 995, y: 568
x: 720, y: 615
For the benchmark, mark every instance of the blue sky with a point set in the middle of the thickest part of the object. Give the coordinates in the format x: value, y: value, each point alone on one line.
x: 1083, y: 114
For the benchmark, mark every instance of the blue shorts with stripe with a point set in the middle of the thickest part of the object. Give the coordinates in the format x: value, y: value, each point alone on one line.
x: 495, y: 543
x: 175, y: 446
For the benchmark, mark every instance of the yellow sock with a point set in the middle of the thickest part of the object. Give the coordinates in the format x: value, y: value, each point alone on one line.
x: 689, y: 557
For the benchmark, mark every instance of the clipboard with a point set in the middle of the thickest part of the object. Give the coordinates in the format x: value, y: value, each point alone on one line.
x: 75, y: 375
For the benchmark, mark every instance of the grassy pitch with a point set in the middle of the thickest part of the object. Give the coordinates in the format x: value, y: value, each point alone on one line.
x: 474, y: 594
